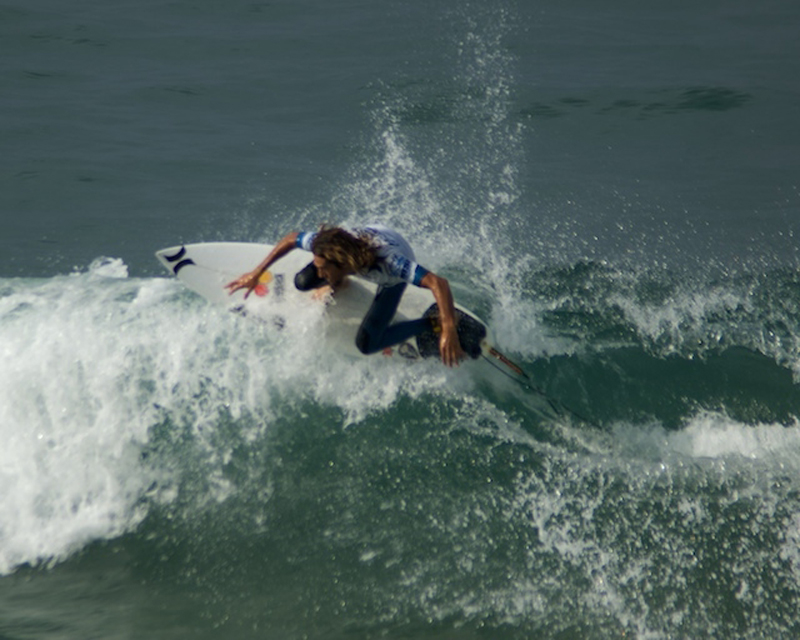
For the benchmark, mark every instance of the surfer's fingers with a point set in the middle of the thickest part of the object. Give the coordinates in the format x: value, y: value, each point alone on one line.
x: 451, y: 356
x: 243, y: 282
x: 235, y: 284
x: 233, y: 287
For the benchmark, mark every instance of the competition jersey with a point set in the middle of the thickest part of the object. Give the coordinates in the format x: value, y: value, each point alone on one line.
x: 396, y: 262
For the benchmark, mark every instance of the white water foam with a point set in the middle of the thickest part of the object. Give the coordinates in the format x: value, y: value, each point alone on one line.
x: 710, y: 436
x: 92, y: 361
x: 716, y: 479
x: 89, y: 362
x: 70, y: 414
x: 713, y: 436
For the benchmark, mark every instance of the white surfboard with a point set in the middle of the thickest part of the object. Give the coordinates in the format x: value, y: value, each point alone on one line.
x: 206, y: 268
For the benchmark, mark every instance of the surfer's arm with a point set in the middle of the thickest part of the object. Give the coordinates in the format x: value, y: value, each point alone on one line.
x: 449, y: 345
x: 249, y: 280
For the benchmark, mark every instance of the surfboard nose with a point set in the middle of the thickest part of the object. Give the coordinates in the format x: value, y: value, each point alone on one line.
x: 174, y: 258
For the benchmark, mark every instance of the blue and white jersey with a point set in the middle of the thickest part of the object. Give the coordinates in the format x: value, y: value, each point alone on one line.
x: 396, y: 262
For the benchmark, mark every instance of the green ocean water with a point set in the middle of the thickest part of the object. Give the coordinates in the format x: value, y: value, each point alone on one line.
x: 613, y: 188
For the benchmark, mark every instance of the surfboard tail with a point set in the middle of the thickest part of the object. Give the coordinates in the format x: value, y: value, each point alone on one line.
x: 471, y: 332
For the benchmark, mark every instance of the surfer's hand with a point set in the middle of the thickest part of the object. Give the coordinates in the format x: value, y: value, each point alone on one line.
x: 248, y: 281
x: 323, y: 294
x: 450, y: 347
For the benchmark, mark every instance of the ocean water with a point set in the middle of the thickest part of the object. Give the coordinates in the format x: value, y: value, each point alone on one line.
x: 612, y: 186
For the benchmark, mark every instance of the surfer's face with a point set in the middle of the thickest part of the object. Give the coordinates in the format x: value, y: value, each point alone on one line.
x: 331, y: 271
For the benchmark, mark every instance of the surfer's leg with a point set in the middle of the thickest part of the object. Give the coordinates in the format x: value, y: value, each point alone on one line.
x: 308, y: 278
x: 375, y: 332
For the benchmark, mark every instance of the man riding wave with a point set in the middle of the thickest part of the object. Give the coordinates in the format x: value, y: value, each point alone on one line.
x: 379, y: 255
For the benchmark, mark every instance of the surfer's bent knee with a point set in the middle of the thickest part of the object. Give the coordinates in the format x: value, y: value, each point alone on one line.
x: 307, y: 278
x: 363, y: 342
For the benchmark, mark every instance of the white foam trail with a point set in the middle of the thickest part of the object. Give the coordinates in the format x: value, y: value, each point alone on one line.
x: 714, y: 477
x: 711, y: 436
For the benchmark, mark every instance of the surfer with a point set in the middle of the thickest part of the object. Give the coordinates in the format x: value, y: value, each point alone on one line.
x: 382, y: 256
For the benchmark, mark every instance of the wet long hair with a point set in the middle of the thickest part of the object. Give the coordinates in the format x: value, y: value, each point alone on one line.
x: 353, y: 253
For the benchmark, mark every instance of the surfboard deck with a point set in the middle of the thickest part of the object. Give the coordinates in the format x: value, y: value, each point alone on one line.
x: 206, y: 268
x: 471, y: 334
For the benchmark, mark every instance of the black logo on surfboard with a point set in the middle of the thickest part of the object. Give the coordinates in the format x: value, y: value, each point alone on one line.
x: 179, y: 259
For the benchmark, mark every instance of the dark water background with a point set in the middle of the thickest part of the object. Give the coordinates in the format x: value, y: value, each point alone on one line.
x: 615, y: 189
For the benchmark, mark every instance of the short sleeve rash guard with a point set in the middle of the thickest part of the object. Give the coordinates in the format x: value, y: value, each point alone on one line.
x: 396, y: 262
